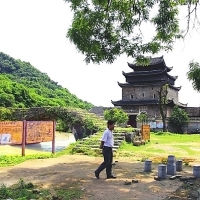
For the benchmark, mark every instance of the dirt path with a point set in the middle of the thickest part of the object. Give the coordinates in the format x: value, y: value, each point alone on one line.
x: 69, y: 169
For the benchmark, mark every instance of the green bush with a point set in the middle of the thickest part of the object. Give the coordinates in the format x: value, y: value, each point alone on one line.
x: 117, y: 115
x: 178, y: 118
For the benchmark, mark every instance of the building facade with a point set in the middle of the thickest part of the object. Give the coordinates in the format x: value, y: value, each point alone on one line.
x: 140, y: 92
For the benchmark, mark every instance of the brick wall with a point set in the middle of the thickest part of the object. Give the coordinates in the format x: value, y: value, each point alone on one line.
x: 140, y: 93
x: 152, y: 110
x: 146, y: 93
x: 173, y: 94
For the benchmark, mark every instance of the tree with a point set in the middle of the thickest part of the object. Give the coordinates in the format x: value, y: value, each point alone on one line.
x: 142, y: 117
x: 102, y: 30
x: 194, y: 75
x: 178, y: 118
x: 162, y: 102
x: 117, y: 115
x: 22, y: 85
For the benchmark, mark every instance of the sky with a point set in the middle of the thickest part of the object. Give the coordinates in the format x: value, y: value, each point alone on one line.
x: 35, y: 31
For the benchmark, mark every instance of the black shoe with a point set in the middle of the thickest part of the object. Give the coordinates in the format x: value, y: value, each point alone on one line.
x: 96, y: 174
x: 113, y: 177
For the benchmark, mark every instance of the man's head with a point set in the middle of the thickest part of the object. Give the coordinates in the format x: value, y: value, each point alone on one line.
x: 110, y: 125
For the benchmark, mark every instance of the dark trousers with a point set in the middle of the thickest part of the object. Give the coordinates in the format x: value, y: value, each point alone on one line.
x: 108, y: 159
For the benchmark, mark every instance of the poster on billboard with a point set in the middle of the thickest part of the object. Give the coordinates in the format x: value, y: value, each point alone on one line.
x: 39, y: 131
x: 146, y: 132
x: 11, y: 132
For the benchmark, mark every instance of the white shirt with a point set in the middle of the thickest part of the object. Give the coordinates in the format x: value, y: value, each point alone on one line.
x: 108, y: 138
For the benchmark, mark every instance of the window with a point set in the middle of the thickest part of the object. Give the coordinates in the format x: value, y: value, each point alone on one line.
x: 154, y: 96
x: 152, y: 88
x: 143, y: 94
x: 143, y: 109
x: 131, y: 96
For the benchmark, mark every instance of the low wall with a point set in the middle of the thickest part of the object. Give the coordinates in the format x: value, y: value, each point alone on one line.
x: 193, y: 126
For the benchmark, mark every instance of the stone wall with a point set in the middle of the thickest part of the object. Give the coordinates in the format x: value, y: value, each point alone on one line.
x: 193, y: 126
x: 193, y: 111
x: 146, y: 93
x: 131, y: 109
x: 140, y: 93
x: 173, y: 94
x: 152, y: 110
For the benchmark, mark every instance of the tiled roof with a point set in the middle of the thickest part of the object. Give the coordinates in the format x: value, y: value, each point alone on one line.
x: 146, y: 102
x: 153, y: 61
x: 145, y: 73
x: 157, y: 62
x: 139, y: 102
x: 147, y: 84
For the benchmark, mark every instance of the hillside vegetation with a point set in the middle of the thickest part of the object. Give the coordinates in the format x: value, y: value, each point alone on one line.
x: 22, y: 85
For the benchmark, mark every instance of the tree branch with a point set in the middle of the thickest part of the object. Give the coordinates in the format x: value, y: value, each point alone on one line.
x: 190, y: 12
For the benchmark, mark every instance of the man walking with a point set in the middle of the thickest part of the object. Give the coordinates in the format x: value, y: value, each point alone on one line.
x: 107, y: 142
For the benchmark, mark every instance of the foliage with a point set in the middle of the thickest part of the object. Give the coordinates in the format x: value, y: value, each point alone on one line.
x: 117, y: 115
x: 16, y: 159
x: 5, y: 114
x: 123, y: 130
x: 178, y: 118
x: 66, y: 117
x: 22, y: 191
x: 22, y: 85
x: 142, y: 117
x: 102, y: 30
x: 194, y: 75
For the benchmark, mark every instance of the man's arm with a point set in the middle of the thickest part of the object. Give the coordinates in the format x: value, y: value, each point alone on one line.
x: 101, y: 145
x: 103, y: 139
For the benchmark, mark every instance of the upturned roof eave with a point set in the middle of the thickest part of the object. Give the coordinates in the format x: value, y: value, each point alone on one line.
x: 144, y: 73
x: 161, y: 61
x: 122, y: 85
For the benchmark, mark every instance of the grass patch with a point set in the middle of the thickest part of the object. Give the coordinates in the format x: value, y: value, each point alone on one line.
x: 163, y: 144
x: 25, y: 191
x: 160, y: 146
x: 16, y: 159
x: 121, y: 130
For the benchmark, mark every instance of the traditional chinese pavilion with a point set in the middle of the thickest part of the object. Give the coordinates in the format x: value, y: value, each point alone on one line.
x: 140, y: 92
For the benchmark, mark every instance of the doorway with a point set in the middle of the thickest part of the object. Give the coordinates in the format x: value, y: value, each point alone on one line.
x: 132, y: 121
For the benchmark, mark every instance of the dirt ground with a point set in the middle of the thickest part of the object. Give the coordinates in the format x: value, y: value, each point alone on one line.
x: 79, y: 169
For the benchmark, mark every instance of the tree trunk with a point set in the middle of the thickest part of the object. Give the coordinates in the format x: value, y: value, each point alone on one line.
x: 162, y: 102
x: 163, y: 116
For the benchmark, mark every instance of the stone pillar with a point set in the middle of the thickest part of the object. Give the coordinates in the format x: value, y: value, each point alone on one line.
x: 171, y: 165
x: 179, y: 165
x: 147, y: 166
x: 196, y: 171
x: 162, y: 171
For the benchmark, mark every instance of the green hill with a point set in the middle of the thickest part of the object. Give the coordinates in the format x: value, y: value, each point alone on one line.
x: 22, y: 85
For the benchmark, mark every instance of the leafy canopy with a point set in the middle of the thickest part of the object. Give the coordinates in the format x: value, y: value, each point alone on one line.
x: 117, y: 115
x: 142, y: 117
x: 102, y: 30
x: 178, y: 118
x: 194, y: 75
